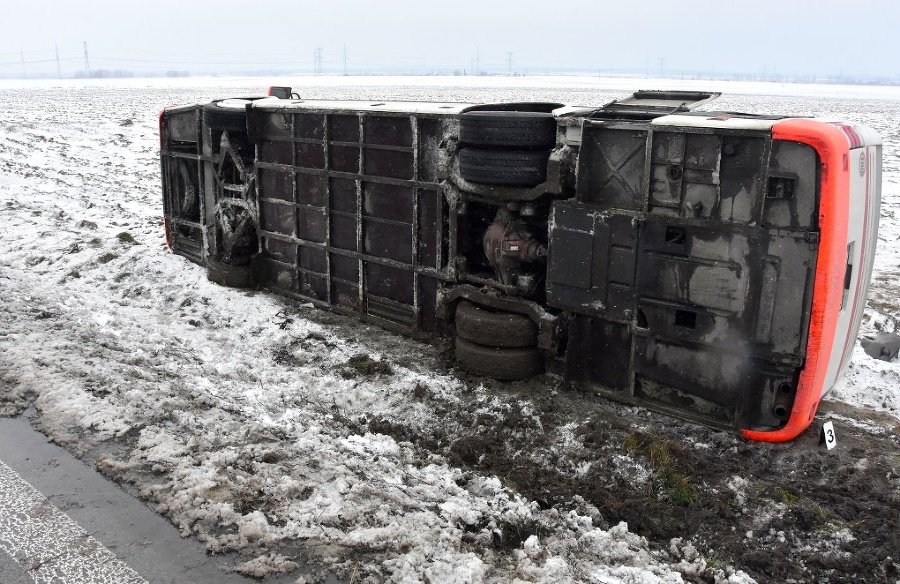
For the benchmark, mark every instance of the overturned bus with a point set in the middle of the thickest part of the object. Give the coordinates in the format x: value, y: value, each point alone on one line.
x: 711, y: 265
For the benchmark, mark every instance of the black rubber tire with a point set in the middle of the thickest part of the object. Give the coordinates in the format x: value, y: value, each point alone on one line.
x: 494, y: 329
x: 225, y: 118
x: 229, y: 275
x: 517, y: 168
x: 505, y: 364
x: 507, y: 129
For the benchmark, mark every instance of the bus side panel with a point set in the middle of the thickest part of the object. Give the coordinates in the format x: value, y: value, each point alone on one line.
x: 351, y: 212
x: 864, y: 213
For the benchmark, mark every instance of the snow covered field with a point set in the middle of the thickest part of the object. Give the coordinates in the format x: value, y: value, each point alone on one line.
x: 241, y: 415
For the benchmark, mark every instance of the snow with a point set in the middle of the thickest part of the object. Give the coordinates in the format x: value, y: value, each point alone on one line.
x: 241, y: 427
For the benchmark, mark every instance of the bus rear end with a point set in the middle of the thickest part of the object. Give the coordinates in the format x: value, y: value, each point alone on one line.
x: 849, y: 209
x: 716, y: 265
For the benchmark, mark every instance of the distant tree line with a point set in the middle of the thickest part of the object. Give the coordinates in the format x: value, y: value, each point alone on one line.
x: 104, y: 74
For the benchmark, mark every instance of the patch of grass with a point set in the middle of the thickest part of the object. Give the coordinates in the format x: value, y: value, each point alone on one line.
x: 678, y: 488
x: 712, y: 562
x: 106, y: 258
x: 314, y: 341
x: 362, y: 364
x: 125, y: 237
x: 659, y: 455
x: 631, y: 444
x: 286, y: 355
x: 668, y: 484
x: 783, y: 495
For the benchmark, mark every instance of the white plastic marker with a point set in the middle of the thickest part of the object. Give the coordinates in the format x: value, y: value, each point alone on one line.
x: 828, y: 436
x: 47, y: 544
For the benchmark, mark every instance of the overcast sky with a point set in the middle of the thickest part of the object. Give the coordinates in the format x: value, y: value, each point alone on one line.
x: 790, y: 37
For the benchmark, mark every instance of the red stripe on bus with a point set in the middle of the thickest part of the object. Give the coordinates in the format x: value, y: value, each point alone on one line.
x: 167, y: 235
x: 162, y: 125
x: 852, y: 136
x: 832, y: 145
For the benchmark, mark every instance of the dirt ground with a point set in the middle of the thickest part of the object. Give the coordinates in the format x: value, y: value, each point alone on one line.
x: 794, y: 512
x: 782, y: 513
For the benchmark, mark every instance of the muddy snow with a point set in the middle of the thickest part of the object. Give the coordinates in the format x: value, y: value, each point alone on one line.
x: 267, y: 427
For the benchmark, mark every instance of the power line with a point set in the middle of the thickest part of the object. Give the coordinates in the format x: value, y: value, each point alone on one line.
x: 24, y: 62
x: 19, y: 52
x: 143, y: 52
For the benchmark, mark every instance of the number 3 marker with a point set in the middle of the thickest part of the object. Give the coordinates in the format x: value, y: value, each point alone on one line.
x: 828, y: 436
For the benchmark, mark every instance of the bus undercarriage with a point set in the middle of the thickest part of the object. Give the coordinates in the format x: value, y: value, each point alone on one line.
x: 711, y: 265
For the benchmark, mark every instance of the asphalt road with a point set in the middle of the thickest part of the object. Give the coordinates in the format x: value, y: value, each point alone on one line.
x: 61, y: 521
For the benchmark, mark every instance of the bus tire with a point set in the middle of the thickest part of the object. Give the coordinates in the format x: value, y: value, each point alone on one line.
x: 517, y: 168
x: 230, y: 275
x: 504, y: 364
x: 507, y: 129
x: 494, y: 329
